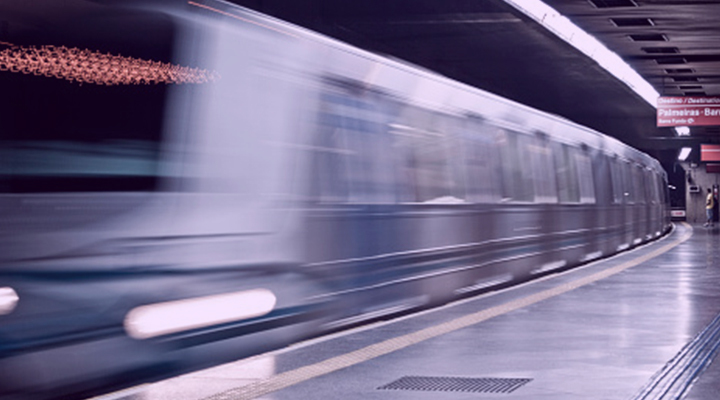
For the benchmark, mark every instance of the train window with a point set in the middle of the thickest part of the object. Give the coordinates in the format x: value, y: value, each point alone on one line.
x: 540, y: 157
x: 330, y: 163
x: 458, y: 184
x: 85, y: 126
x: 646, y: 197
x: 630, y: 189
x: 585, y: 177
x: 517, y: 178
x: 403, y: 155
x: 367, y: 143
x: 351, y: 150
x: 566, y: 172
x: 639, y: 184
x: 652, y: 184
x: 649, y: 186
x: 617, y: 182
x: 504, y: 143
x: 481, y: 164
x: 422, y: 149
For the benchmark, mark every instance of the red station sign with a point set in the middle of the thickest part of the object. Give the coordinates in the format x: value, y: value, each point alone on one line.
x: 710, y: 152
x: 688, y: 111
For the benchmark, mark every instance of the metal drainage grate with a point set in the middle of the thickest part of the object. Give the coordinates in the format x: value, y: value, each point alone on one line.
x: 454, y: 384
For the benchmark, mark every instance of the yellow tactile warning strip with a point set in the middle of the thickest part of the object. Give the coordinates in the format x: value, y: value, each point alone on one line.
x: 286, y: 379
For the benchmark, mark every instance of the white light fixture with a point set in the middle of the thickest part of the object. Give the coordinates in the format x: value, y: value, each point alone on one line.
x: 684, y: 153
x: 8, y: 300
x: 682, y: 130
x: 581, y: 40
x: 176, y: 316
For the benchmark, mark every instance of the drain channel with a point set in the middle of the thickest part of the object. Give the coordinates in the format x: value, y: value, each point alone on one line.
x: 456, y: 384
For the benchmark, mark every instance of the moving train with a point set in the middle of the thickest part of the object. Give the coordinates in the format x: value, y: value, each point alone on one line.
x: 187, y: 182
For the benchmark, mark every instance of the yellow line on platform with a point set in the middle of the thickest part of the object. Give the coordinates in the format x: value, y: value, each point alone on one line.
x: 286, y: 379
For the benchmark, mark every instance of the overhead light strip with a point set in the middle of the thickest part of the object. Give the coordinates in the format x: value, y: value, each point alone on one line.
x: 581, y: 40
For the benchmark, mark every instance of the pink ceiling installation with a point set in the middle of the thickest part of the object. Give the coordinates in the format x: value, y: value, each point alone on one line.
x: 87, y: 66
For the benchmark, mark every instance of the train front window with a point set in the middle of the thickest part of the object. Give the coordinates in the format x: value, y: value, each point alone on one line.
x: 84, y: 101
x: 60, y: 136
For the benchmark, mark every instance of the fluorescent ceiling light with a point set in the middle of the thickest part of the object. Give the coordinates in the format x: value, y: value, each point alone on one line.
x: 684, y: 153
x: 682, y: 130
x: 176, y: 316
x: 581, y: 40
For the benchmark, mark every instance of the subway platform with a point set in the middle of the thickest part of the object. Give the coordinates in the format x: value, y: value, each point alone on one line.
x: 641, y: 325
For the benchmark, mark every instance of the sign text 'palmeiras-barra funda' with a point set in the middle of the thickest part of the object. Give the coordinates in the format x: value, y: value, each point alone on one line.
x: 688, y: 111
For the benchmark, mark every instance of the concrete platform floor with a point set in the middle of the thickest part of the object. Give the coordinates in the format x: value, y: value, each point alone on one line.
x: 639, y: 325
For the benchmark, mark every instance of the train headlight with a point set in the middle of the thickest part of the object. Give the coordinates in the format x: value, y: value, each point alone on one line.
x: 8, y: 300
x: 176, y: 316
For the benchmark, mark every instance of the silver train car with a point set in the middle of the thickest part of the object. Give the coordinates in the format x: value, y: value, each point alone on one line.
x: 186, y: 182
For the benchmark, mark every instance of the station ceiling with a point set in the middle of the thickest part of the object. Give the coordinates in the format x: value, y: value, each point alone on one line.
x: 673, y: 44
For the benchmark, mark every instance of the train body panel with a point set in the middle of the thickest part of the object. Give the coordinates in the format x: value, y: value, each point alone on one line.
x: 337, y: 185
